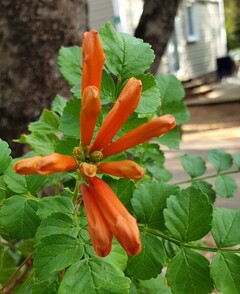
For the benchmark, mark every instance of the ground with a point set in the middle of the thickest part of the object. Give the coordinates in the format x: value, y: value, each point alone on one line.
x: 212, y: 125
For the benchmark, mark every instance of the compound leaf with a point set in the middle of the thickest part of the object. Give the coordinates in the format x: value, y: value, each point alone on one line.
x: 188, y: 216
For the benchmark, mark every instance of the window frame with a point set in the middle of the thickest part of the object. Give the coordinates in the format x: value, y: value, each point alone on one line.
x: 191, y: 21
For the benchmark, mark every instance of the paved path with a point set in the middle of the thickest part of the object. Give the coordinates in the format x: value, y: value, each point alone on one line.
x: 212, y: 125
x: 197, y: 144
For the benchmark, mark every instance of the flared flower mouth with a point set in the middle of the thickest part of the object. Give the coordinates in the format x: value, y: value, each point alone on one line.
x: 107, y: 216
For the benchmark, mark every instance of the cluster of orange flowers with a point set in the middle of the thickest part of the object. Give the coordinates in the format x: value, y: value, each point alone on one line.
x: 106, y: 215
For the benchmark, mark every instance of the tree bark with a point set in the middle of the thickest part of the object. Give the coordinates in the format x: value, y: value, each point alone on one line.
x: 156, y: 25
x: 31, y: 33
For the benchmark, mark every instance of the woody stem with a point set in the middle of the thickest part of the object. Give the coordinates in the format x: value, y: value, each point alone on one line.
x: 15, y: 273
x: 157, y: 233
x: 207, y: 177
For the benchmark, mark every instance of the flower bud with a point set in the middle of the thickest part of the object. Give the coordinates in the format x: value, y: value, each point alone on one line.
x: 78, y: 153
x: 96, y: 156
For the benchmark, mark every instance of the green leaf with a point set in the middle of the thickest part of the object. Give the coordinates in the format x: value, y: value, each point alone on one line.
x: 76, y: 90
x: 48, y: 122
x: 236, y: 158
x: 15, y: 182
x: 153, y: 286
x: 69, y: 121
x: 225, y: 186
x: 225, y: 227
x: 179, y: 110
x: 35, y: 286
x: 43, y: 143
x: 57, y: 223
x: 53, y: 204
x: 188, y: 272
x: 220, y: 159
x: 94, y: 275
x: 3, y: 189
x: 67, y: 145
x: 172, y: 93
x: 132, y: 122
x: 107, y: 93
x: 70, y: 60
x: 49, y: 286
x: 117, y: 256
x: 149, y: 200
x: 126, y: 56
x: 148, y: 263
x: 150, y: 97
x: 56, y: 252
x: 188, y: 216
x: 18, y: 217
x: 35, y: 182
x: 58, y: 104
x: 170, y: 139
x: 5, y: 157
x: 170, y: 87
x: 8, y: 263
x: 23, y: 184
x: 195, y: 166
x: 225, y: 271
x: 123, y: 188
x: 206, y: 188
x: 159, y: 173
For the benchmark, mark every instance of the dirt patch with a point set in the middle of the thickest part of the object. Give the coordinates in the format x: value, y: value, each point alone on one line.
x: 213, y: 116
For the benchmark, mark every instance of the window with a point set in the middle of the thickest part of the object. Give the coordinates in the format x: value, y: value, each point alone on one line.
x: 191, y: 22
x: 172, y: 53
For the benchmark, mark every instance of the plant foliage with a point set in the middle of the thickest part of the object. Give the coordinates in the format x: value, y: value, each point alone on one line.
x: 41, y: 217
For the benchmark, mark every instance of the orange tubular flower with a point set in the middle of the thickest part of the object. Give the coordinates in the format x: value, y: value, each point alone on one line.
x: 90, y: 110
x: 45, y: 165
x: 93, y: 60
x: 123, y: 108
x: 125, y: 168
x: 27, y: 166
x: 120, y: 222
x: 98, y: 229
x: 154, y: 128
x: 106, y: 215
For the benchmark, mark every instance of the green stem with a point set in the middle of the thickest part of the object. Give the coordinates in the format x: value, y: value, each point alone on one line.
x: 182, y: 244
x: 75, y: 192
x: 206, y: 177
x: 117, y: 88
x: 58, y: 184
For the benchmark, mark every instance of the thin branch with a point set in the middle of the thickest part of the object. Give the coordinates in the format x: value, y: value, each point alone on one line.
x: 192, y: 180
x: 16, y: 272
x: 186, y: 245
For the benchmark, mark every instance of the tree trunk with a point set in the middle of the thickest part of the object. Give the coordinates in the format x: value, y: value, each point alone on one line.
x: 31, y: 33
x: 156, y: 25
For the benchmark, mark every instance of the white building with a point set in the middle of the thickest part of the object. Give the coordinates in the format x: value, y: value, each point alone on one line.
x: 198, y: 40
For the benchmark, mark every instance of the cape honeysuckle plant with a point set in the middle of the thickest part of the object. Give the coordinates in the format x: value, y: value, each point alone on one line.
x: 90, y: 209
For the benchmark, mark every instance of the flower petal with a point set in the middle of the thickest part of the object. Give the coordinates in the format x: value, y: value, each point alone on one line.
x: 88, y: 170
x: 125, y: 168
x: 154, y: 128
x: 99, y: 231
x: 45, y: 165
x: 123, y: 108
x: 27, y: 166
x: 55, y: 162
x: 93, y: 60
x: 121, y: 223
x: 90, y: 110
